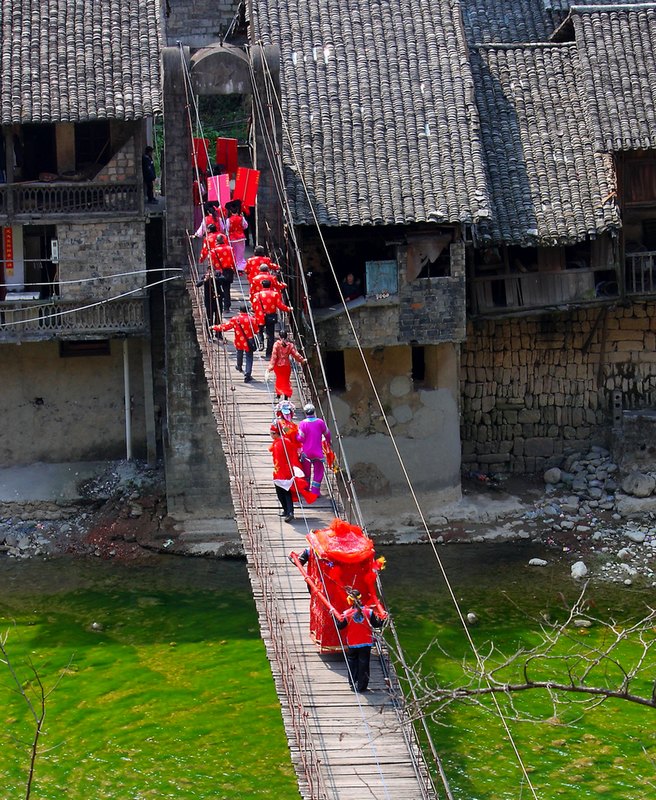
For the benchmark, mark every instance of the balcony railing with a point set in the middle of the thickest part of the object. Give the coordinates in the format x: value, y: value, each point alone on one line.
x: 534, y: 289
x: 641, y: 273
x: 53, y: 319
x: 34, y: 199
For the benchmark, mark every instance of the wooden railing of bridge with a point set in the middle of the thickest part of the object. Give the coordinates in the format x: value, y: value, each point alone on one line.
x: 343, y: 745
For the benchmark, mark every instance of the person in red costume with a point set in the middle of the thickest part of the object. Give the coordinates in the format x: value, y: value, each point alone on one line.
x: 358, y: 622
x: 254, y: 263
x: 265, y: 274
x: 281, y: 356
x: 287, y: 473
x: 245, y: 327
x: 266, y: 305
x: 226, y: 259
x: 213, y: 282
x: 235, y: 226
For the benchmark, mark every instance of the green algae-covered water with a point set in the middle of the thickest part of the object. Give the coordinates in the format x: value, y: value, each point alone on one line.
x: 610, y: 752
x: 173, y: 698
x: 169, y: 693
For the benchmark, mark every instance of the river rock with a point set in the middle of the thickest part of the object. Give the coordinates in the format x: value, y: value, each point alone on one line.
x: 537, y: 562
x: 638, y: 484
x: 552, y: 475
x: 635, y: 507
x: 635, y: 536
x: 579, y: 570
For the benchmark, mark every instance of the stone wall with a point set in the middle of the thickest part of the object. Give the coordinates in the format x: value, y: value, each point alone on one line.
x: 425, y: 311
x: 197, y: 483
x: 95, y: 249
x: 68, y: 409
x: 121, y: 167
x: 197, y: 23
x: 177, y: 168
x: 423, y: 417
x: 533, y: 387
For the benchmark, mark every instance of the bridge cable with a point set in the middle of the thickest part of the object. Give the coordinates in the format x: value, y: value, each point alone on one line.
x: 283, y: 200
x: 475, y: 651
x: 194, y: 268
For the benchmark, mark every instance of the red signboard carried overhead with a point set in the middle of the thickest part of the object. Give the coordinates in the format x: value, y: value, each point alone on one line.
x: 201, y: 158
x: 226, y: 155
x: 218, y: 189
x: 246, y: 184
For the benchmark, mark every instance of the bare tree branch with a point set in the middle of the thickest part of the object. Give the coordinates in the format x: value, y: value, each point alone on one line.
x: 37, y: 710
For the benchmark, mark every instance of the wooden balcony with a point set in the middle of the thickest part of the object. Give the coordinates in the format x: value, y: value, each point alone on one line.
x: 519, y: 290
x: 20, y: 200
x: 40, y: 320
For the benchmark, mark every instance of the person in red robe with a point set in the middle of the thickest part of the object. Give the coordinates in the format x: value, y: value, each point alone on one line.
x: 280, y: 362
x: 264, y: 274
x: 245, y: 328
x: 254, y: 263
x: 266, y: 305
x: 235, y: 226
x: 287, y: 473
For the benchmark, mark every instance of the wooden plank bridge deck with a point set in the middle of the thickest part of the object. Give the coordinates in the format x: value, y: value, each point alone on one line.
x: 343, y: 744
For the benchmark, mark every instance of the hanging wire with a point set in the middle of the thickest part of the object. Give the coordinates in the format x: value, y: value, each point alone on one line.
x: 77, y: 309
x: 272, y: 97
x: 274, y: 156
x: 194, y: 271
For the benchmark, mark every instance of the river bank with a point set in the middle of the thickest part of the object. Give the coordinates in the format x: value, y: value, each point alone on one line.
x: 117, y: 510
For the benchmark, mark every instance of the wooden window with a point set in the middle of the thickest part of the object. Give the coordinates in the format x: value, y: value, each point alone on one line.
x: 85, y: 348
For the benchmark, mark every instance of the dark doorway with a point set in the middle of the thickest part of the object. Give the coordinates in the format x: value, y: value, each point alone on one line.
x: 39, y: 151
x: 92, y: 145
x: 40, y: 272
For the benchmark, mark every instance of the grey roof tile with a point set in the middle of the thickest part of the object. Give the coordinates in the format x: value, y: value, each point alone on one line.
x: 507, y: 21
x: 78, y: 60
x: 566, y: 5
x: 547, y: 183
x: 379, y: 110
x: 617, y: 50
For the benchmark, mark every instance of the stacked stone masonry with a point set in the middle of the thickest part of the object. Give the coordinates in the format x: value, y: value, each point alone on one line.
x: 197, y: 23
x: 534, y: 387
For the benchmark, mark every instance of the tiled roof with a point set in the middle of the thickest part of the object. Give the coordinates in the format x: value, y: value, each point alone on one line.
x: 77, y: 60
x: 548, y: 186
x: 378, y: 102
x: 617, y: 49
x: 507, y: 21
x: 566, y: 5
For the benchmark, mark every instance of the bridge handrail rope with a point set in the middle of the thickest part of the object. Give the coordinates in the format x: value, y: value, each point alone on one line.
x: 270, y: 605
x: 255, y: 542
x: 273, y: 97
x: 347, y: 487
x: 77, y: 309
x: 274, y: 158
x: 422, y: 777
x: 347, y: 483
x: 250, y: 521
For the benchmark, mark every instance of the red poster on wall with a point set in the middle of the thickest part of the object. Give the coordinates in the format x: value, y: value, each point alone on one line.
x: 226, y: 155
x: 246, y: 184
x: 201, y: 158
x: 8, y: 241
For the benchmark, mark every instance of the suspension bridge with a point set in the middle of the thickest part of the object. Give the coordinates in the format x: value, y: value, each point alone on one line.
x: 343, y: 744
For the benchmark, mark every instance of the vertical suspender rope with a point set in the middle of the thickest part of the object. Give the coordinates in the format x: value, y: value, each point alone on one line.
x: 454, y: 600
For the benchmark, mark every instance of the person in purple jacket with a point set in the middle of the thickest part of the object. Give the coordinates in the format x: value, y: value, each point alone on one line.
x: 313, y: 432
